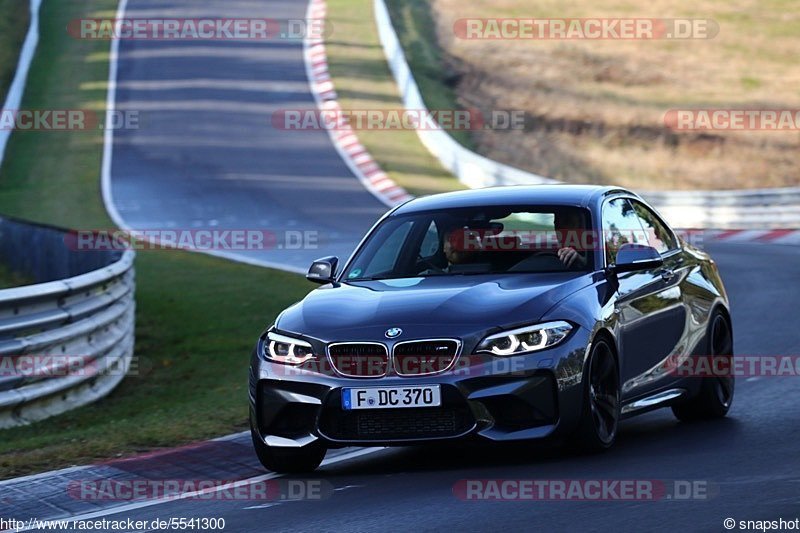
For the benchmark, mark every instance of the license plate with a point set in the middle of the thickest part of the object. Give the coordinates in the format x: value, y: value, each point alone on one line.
x: 391, y: 397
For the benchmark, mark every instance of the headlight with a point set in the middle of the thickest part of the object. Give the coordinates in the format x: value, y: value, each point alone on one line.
x: 287, y: 350
x: 525, y: 340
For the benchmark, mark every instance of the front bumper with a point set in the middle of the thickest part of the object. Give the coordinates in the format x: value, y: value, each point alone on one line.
x: 499, y: 399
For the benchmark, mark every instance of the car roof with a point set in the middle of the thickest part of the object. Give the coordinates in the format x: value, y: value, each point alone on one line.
x: 561, y: 194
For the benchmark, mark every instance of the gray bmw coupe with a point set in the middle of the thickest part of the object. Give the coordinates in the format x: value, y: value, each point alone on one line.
x: 503, y: 314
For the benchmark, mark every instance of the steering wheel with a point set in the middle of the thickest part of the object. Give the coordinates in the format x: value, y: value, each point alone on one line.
x: 548, y: 252
x: 581, y: 260
x: 425, y: 262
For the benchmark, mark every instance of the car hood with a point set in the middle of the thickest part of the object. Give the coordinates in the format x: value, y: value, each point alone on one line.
x: 424, y: 307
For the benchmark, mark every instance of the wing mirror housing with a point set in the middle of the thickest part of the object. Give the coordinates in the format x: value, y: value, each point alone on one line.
x: 636, y: 257
x: 323, y: 270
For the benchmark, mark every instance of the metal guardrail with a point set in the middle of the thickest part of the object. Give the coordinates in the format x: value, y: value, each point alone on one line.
x: 734, y: 209
x: 67, y: 340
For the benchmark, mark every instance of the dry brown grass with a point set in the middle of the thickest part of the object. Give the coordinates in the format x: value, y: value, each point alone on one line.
x: 595, y: 108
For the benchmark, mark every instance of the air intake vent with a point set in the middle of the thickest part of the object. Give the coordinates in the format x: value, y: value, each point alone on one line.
x: 359, y: 360
x: 423, y: 358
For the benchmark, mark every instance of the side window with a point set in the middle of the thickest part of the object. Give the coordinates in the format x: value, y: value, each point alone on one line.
x: 658, y: 235
x: 620, y: 226
x: 430, y: 243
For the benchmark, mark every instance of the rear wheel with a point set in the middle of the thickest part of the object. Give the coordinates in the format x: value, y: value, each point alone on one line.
x: 288, y: 460
x: 601, y: 404
x: 716, y: 393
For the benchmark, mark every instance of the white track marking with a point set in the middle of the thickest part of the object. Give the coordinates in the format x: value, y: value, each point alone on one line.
x: 17, y: 89
x: 108, y: 156
x: 340, y: 140
x: 185, y: 496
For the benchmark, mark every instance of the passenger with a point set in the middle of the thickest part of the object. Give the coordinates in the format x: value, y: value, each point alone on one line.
x: 458, y: 247
x: 569, y: 225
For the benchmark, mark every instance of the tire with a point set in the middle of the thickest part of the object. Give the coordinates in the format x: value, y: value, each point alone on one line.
x: 601, y: 401
x: 288, y: 460
x: 716, y: 393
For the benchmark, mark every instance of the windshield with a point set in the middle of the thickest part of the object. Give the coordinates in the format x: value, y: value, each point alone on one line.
x: 475, y: 240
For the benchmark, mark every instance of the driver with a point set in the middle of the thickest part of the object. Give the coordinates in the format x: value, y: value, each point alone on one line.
x: 455, y: 246
x: 568, y: 223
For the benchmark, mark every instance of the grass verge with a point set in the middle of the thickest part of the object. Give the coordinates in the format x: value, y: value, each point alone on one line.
x: 197, y: 316
x: 363, y: 81
x: 10, y: 279
x: 14, y: 20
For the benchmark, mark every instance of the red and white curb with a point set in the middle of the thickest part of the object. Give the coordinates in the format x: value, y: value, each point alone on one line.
x: 768, y: 236
x: 344, y: 139
x: 385, y: 189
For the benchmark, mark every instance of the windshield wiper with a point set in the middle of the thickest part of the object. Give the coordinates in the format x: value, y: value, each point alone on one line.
x: 437, y: 275
x: 456, y: 274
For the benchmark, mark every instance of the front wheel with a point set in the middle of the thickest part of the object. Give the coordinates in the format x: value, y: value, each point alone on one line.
x: 284, y: 460
x: 601, y: 403
x: 716, y: 393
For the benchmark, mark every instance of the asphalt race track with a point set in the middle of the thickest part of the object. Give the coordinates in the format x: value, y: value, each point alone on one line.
x: 207, y: 156
x: 748, y: 461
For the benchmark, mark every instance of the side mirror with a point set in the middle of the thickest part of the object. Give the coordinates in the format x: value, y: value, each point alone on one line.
x: 635, y: 257
x: 323, y: 270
